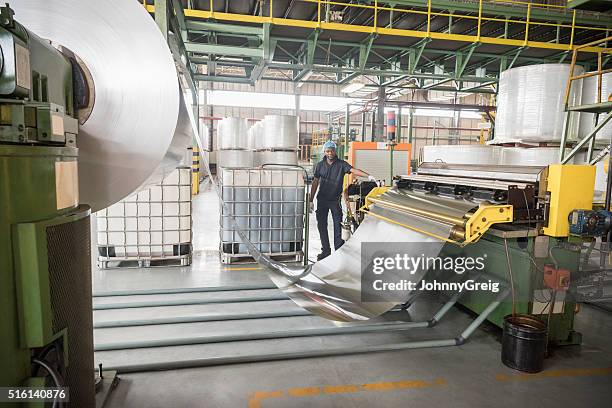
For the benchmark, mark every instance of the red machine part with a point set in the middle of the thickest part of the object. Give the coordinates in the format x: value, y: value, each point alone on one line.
x: 556, y: 278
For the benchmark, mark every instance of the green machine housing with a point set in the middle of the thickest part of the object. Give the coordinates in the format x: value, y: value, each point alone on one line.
x: 45, y: 261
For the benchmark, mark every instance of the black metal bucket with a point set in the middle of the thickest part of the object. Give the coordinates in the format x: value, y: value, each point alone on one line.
x: 524, y: 343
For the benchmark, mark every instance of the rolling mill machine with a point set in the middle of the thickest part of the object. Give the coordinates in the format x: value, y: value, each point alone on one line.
x: 530, y: 222
x: 45, y: 263
x: 79, y: 131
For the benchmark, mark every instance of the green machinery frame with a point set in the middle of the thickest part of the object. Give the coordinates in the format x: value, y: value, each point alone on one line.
x: 528, y: 278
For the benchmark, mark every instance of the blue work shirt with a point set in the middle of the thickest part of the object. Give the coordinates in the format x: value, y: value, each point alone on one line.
x: 331, y: 177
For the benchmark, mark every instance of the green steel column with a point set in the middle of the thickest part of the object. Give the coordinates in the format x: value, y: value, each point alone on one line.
x: 410, y: 120
x: 161, y: 16
x: 347, y: 125
x: 380, y: 115
x: 398, y: 131
x: 364, y: 128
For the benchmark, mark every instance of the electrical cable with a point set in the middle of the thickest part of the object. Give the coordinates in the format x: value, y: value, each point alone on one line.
x: 54, y: 375
x: 511, y: 276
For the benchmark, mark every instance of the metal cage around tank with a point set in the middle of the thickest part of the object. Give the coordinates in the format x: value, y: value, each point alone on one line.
x: 149, y: 228
x: 268, y: 206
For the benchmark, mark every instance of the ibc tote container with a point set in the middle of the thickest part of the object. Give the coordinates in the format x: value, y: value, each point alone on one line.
x: 268, y: 206
x: 151, y: 225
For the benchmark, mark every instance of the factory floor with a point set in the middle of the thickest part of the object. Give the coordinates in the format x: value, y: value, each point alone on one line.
x: 471, y: 375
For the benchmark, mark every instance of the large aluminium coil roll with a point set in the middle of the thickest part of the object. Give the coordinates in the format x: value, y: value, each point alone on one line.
x: 233, y: 134
x: 139, y: 125
x: 530, y: 105
x: 534, y: 156
x: 277, y: 157
x: 235, y: 159
x: 280, y: 132
x: 589, y: 96
x: 461, y: 154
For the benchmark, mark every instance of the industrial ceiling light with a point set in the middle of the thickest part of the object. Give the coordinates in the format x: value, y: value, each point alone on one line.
x: 352, y: 87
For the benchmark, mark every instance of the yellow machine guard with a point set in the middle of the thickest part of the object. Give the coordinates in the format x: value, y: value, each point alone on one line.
x: 571, y: 187
x: 475, y: 226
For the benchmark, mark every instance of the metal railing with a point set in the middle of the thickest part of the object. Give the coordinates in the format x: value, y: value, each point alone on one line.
x: 598, y: 125
x: 599, y: 73
x: 527, y: 20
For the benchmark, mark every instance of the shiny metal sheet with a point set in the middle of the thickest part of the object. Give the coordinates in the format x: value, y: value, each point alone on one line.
x: 331, y: 288
x: 131, y: 129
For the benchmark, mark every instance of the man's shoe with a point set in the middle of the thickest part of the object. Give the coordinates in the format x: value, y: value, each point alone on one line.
x: 323, y: 255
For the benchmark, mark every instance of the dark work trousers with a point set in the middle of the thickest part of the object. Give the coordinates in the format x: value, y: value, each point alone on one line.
x: 323, y: 207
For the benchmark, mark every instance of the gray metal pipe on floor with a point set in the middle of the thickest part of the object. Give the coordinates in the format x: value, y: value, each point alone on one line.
x: 216, y: 361
x: 277, y: 334
x: 197, y: 319
x: 186, y: 302
x: 169, y: 291
x: 256, y: 358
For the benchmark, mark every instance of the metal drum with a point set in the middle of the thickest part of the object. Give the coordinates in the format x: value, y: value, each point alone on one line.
x: 232, y: 134
x: 530, y: 103
x: 280, y: 132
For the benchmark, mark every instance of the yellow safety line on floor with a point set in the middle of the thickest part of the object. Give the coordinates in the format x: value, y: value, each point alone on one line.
x: 250, y: 268
x: 257, y: 397
x: 571, y: 372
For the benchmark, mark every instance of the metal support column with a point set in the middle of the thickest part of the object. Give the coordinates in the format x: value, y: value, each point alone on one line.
x: 398, y: 132
x: 380, y: 115
x: 364, y: 128
x: 347, y: 127
x: 373, y: 127
x: 410, y: 126
x: 161, y: 17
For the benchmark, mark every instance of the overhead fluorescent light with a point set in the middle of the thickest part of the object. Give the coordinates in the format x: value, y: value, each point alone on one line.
x: 352, y: 87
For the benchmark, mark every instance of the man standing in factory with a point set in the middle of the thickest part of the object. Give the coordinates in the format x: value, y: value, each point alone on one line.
x: 328, y: 179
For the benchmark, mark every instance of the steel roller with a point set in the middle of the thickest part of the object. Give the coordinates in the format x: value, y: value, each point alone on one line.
x: 139, y: 125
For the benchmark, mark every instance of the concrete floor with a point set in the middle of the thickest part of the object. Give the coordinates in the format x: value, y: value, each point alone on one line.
x: 467, y: 376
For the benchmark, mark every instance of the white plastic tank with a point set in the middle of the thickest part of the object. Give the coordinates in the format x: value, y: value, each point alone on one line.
x: 280, y: 132
x: 589, y: 96
x: 530, y: 104
x: 462, y: 154
x: 233, y: 134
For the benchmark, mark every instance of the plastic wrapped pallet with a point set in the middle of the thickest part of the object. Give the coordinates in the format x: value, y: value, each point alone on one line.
x: 530, y: 106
